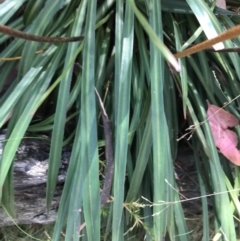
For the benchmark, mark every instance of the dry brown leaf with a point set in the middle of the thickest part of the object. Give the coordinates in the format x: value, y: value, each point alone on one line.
x: 221, y: 4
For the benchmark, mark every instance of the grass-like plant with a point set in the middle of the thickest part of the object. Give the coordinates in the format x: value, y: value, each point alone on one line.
x: 127, y: 54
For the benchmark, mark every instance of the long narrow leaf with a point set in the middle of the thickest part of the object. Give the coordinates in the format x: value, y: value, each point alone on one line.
x: 122, y: 122
x: 89, y: 147
x: 60, y: 116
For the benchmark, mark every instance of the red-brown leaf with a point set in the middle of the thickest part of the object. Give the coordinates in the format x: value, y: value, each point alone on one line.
x: 224, y: 139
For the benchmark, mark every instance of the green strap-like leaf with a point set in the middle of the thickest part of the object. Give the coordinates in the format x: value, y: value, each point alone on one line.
x: 89, y: 146
x: 122, y: 107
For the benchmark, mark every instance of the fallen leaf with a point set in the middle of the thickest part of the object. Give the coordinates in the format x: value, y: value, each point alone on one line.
x: 225, y: 140
x: 221, y: 4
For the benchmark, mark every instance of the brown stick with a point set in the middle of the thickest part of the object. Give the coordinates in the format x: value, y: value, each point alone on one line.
x: 19, y: 34
x: 229, y: 34
x: 108, y: 153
